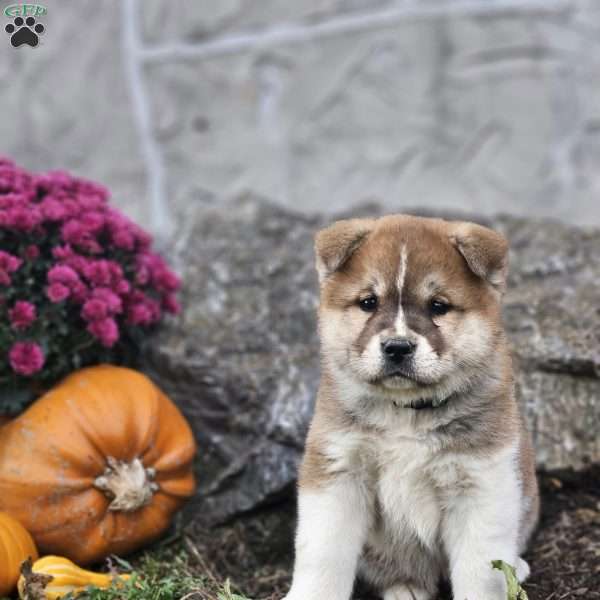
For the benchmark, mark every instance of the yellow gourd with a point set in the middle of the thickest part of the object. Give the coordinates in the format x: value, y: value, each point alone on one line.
x: 63, y: 577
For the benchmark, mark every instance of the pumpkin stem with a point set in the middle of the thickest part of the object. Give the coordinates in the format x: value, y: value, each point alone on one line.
x: 129, y: 485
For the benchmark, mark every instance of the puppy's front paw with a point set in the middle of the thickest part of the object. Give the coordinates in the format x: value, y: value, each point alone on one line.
x: 405, y: 592
x: 291, y: 595
x: 295, y: 595
x: 483, y: 586
x: 522, y: 569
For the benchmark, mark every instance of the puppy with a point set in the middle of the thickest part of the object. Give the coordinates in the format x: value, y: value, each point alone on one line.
x: 417, y: 464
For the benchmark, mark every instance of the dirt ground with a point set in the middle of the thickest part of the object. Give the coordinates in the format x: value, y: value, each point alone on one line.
x: 255, y: 552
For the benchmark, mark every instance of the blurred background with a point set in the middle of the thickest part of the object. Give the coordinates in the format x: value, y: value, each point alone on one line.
x: 482, y: 106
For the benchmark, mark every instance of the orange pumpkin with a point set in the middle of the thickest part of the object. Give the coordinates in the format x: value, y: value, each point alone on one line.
x: 98, y: 465
x: 16, y: 546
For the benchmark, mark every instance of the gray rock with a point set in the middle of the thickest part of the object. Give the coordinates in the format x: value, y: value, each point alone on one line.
x: 552, y: 314
x: 242, y: 361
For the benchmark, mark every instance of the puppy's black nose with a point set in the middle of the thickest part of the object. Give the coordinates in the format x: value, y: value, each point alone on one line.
x: 397, y: 349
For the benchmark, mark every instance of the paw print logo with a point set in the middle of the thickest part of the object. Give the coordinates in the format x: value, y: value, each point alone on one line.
x: 24, y: 31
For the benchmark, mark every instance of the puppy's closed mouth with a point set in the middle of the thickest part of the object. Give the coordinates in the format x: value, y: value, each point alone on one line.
x: 398, y: 377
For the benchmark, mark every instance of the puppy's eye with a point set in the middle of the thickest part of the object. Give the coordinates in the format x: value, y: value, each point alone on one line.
x: 438, y: 308
x: 369, y: 304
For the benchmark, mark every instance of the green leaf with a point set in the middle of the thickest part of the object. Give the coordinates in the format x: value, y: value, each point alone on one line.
x: 514, y: 589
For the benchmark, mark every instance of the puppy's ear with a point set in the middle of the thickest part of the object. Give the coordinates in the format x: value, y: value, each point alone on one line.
x: 335, y: 244
x: 485, y: 251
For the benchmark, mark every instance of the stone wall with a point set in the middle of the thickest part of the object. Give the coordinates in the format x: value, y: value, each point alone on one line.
x: 472, y: 105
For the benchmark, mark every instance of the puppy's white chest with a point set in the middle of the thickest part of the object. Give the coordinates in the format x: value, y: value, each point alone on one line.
x: 413, y: 488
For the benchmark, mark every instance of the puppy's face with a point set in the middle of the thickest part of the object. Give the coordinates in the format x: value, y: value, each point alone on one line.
x: 410, y: 307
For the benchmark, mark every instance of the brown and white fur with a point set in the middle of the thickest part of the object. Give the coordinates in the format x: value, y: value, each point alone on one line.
x: 417, y: 464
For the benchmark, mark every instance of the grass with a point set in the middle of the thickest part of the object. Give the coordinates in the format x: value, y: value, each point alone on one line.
x: 162, y: 575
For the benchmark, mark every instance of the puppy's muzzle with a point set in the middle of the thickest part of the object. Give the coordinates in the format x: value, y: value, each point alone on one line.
x: 397, y: 350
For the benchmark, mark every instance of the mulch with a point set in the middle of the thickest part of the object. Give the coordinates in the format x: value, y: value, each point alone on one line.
x: 565, y: 553
x: 255, y: 552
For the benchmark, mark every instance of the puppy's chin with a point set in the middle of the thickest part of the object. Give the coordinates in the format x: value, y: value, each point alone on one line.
x: 399, y: 382
x: 404, y: 390
x: 402, y: 380
x: 399, y: 388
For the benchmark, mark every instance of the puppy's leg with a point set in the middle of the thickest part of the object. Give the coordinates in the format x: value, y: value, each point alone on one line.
x: 481, y: 525
x: 406, y: 592
x: 332, y: 524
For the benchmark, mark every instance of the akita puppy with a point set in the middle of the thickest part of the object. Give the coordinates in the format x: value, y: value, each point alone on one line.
x: 417, y: 463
